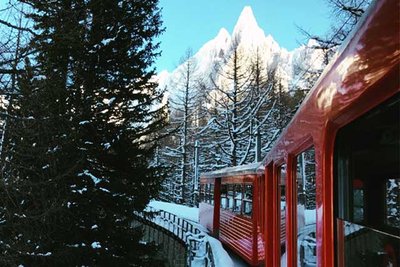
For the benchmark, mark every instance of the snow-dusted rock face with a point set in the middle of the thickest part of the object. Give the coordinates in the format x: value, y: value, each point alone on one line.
x: 249, y: 38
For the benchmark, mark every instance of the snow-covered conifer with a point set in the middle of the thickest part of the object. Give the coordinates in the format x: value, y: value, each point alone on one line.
x: 82, y: 134
x: 179, y: 147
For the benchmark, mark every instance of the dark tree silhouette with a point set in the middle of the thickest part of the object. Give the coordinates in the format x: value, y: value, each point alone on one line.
x: 83, y: 132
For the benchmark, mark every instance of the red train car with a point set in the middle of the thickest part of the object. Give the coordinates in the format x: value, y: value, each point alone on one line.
x: 232, y: 205
x: 333, y: 176
x: 229, y: 208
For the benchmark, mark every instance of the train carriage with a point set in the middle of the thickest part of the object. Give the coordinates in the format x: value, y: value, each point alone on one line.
x: 231, y: 198
x: 345, y: 140
x: 331, y: 183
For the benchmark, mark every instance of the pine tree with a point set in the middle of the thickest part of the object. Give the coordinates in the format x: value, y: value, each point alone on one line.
x: 77, y: 163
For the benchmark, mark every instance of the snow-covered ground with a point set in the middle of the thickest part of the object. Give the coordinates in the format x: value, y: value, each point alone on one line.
x: 222, y: 258
x: 185, y: 212
x: 310, y: 217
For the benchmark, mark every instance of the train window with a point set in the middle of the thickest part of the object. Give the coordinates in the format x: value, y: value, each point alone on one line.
x: 367, y: 156
x: 211, y: 197
x: 201, y: 195
x: 247, y: 200
x: 237, y: 204
x: 306, y: 208
x: 230, y: 196
x: 358, y: 201
x: 393, y: 203
x: 224, y: 199
x: 206, y: 194
x: 282, y: 213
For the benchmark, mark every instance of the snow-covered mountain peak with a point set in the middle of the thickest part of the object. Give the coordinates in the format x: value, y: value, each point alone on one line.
x: 223, y: 35
x: 247, y: 28
x: 246, y: 23
x: 212, y: 50
x: 246, y: 20
x: 221, y: 41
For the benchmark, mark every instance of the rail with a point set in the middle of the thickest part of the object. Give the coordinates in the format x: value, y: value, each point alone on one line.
x: 199, y: 249
x: 172, y: 251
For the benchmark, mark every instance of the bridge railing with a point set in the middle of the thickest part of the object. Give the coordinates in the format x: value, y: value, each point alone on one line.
x: 199, y: 249
x: 172, y: 251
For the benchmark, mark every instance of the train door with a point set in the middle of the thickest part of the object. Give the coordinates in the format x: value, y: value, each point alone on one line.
x: 367, y: 189
x: 294, y: 212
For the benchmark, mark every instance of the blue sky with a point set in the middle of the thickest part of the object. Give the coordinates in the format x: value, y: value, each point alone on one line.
x: 191, y: 23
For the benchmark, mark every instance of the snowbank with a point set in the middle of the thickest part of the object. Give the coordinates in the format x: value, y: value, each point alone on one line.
x: 221, y: 257
x: 182, y: 211
x: 310, y: 217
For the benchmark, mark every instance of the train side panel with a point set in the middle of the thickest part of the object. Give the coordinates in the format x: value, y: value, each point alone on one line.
x: 237, y: 233
x: 364, y: 74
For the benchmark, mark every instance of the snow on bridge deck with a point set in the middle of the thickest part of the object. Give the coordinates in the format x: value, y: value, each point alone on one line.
x: 222, y: 258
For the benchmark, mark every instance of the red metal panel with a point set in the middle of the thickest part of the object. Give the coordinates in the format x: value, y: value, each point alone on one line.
x: 255, y: 220
x: 275, y: 227
x: 276, y: 217
x: 340, y: 244
x: 260, y: 244
x: 291, y: 213
x: 261, y: 218
x: 237, y: 232
x: 269, y: 211
x: 206, y: 181
x: 217, y: 206
x: 261, y: 200
x: 249, y: 178
x: 325, y: 199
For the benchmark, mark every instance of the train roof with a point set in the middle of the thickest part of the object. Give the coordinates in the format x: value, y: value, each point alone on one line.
x: 248, y: 169
x: 363, y: 73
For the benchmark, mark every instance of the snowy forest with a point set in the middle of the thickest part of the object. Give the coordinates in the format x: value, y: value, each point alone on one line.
x: 233, y: 116
x: 229, y: 102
